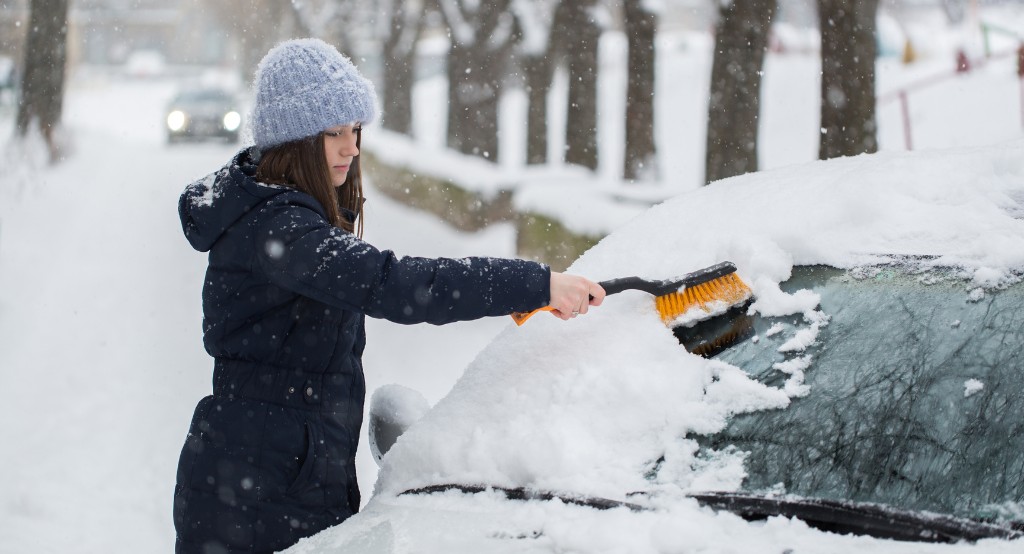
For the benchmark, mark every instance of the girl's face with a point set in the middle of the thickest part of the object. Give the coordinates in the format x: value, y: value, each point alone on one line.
x: 339, y: 148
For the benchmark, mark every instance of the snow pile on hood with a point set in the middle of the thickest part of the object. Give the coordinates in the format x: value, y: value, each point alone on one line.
x: 592, y: 405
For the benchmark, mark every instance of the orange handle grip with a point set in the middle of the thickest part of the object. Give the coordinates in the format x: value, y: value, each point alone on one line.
x: 521, y: 317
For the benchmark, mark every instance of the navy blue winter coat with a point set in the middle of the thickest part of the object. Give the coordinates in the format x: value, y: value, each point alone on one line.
x: 270, y: 455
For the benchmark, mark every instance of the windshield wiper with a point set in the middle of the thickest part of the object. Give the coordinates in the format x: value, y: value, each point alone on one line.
x: 860, y: 518
x: 521, y: 493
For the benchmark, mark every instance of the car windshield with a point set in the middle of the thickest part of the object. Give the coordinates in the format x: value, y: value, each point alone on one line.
x: 203, y: 96
x: 915, y: 399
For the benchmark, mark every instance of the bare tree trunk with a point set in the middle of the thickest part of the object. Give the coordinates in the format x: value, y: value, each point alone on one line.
x: 641, y: 27
x: 458, y: 60
x: 538, y: 70
x: 469, y: 100
x: 42, y: 94
x: 481, y: 40
x: 734, y: 105
x: 400, y: 64
x: 579, y: 33
x: 536, y: 55
x: 848, y: 53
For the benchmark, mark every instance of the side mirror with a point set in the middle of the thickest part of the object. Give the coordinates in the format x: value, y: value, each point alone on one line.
x: 393, y: 409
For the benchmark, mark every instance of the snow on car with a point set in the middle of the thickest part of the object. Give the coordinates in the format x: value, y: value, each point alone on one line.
x: 602, y: 434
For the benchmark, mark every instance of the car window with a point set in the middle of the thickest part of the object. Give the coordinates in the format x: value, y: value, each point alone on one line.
x: 915, y: 399
x: 202, y: 95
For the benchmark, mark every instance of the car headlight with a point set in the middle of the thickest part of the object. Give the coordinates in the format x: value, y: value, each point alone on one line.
x: 232, y: 120
x: 176, y: 120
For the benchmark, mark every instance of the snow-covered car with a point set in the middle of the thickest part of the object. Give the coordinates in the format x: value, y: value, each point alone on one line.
x: 870, y: 398
x: 203, y: 113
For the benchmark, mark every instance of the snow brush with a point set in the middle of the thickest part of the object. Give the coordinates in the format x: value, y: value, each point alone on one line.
x: 711, y: 290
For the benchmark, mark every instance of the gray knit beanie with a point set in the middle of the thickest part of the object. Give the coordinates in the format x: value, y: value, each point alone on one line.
x: 304, y: 86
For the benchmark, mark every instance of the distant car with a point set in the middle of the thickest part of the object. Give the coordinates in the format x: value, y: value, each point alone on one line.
x: 872, y: 394
x: 203, y: 113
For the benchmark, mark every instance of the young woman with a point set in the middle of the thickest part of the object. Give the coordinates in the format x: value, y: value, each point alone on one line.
x: 270, y: 455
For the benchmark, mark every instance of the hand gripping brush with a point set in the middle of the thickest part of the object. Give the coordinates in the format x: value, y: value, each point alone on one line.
x: 686, y: 302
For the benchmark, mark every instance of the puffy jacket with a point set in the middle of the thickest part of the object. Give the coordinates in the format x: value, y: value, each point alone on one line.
x: 270, y: 455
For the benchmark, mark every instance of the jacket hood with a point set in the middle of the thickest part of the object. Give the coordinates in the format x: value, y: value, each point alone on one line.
x: 210, y: 206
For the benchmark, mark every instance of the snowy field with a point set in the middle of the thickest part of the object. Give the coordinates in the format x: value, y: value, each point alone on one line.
x: 101, y: 360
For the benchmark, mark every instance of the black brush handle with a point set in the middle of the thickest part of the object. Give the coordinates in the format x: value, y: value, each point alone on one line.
x: 614, y: 286
x: 660, y: 288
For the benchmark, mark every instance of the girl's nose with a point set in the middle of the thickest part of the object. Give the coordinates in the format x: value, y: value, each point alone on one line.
x: 349, y: 147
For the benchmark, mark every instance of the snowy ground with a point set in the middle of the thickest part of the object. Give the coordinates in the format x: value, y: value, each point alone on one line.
x: 100, y: 355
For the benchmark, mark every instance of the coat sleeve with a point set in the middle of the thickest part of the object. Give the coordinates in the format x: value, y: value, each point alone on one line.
x: 300, y: 251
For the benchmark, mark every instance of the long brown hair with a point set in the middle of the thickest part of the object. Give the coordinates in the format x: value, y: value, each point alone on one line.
x: 302, y: 164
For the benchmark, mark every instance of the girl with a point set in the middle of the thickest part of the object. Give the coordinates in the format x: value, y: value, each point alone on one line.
x: 270, y: 455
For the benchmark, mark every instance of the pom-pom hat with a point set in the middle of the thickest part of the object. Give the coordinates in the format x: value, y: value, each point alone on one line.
x: 305, y: 86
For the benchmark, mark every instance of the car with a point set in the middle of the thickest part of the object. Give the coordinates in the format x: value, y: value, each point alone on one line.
x: 203, y: 113
x: 868, y: 399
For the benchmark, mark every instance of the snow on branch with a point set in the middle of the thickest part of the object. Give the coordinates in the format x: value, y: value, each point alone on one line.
x: 503, y: 32
x: 536, y: 18
x: 462, y: 31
